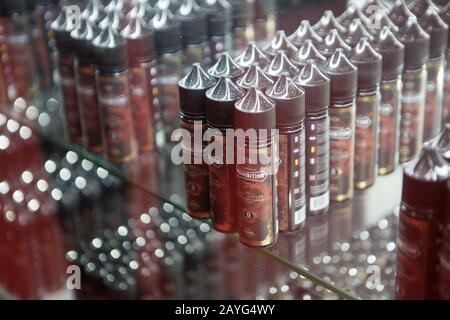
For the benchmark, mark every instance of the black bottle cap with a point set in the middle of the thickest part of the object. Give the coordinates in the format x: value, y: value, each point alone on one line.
x: 192, y: 89
x: 280, y: 42
x: 12, y: 7
x: 416, y: 42
x: 326, y: 23
x: 225, y: 67
x: 241, y: 12
x: 418, y: 7
x: 308, y: 51
x: 289, y: 101
x: 83, y: 39
x: 343, y: 76
x: 220, y: 101
x: 304, y: 32
x: 437, y: 29
x: 110, y: 51
x: 193, y: 23
x: 424, y: 180
x: 400, y: 13
x: 255, y: 111
x: 62, y: 28
x: 281, y: 63
x: 332, y: 42
x: 168, y: 37
x: 114, y: 19
x: 369, y: 64
x: 94, y: 11
x: 350, y: 14
x: 356, y: 30
x: 252, y: 54
x: 255, y: 77
x: 393, y: 52
x: 219, y: 14
x: 140, y: 40
x: 316, y: 86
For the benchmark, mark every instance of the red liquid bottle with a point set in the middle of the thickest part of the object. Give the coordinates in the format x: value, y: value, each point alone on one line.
x: 420, y: 226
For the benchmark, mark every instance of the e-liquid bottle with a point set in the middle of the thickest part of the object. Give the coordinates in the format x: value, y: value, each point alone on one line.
x: 195, y: 36
x: 62, y: 27
x: 327, y: 23
x: 304, y: 32
x: 393, y: 53
x: 369, y: 64
x: 256, y: 201
x: 265, y: 22
x: 243, y: 30
x: 226, y: 67
x: 255, y: 77
x: 445, y: 15
x: 420, y: 225
x: 443, y: 282
x: 343, y: 84
x: 222, y: 170
x: 168, y: 46
x: 317, y: 100
x: 308, y: 52
x: 332, y: 42
x: 280, y: 42
x: 112, y: 77
x: 192, y: 89
x: 438, y: 32
x: 252, y: 54
x: 417, y: 47
x: 142, y: 60
x: 355, y: 32
x: 291, y: 185
x: 400, y: 13
x: 279, y: 64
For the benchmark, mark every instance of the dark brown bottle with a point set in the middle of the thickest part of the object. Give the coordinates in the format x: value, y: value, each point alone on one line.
x: 304, y: 32
x: 252, y: 54
x: 393, y: 53
x: 355, y: 31
x: 112, y: 77
x: 317, y: 101
x: 443, y: 283
x: 280, y: 42
x: 256, y: 201
x: 400, y: 13
x: 327, y: 23
x: 332, y: 42
x: 226, y: 67
x: 343, y: 84
x: 420, y: 225
x: 279, y: 64
x: 308, y: 52
x: 222, y: 170
x: 255, y: 77
x: 192, y: 90
x: 369, y: 64
x: 290, y: 115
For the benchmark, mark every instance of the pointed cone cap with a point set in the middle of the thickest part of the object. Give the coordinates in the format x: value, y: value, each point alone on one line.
x: 400, y: 13
x: 382, y: 19
x: 255, y: 111
x: 316, y: 86
x: 226, y: 67
x: 442, y: 142
x: 332, y: 42
x: 416, y: 42
x: 255, y: 77
x: 289, y: 100
x: 355, y: 32
x: 94, y: 11
x: 393, y: 53
x: 145, y: 11
x: 252, y: 54
x: 351, y: 14
x: 281, y: 63
x: 369, y: 64
x: 418, y: 7
x: 110, y: 51
x: 113, y: 19
x: 437, y: 29
x: 304, y: 32
x: 308, y: 51
x: 280, y: 42
x: 192, y: 89
x: 140, y: 40
x: 326, y: 23
x: 343, y: 76
x: 220, y: 101
x: 84, y: 36
x: 62, y: 30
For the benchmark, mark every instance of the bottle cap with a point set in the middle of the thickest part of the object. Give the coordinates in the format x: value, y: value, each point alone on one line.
x: 280, y: 42
x: 372, y: 6
x: 279, y: 64
x: 355, y: 32
x: 304, y: 32
x: 62, y: 29
x: 94, y: 11
x: 145, y: 11
x: 220, y: 101
x: 289, y: 101
x: 192, y: 89
x: 193, y: 23
x: 140, y: 40
x: 416, y: 42
x: 326, y: 23
x: 255, y: 111
x: 225, y: 67
x: 316, y: 86
x: 252, y: 54
x: 382, y: 20
x: 369, y: 64
x: 393, y: 53
x: 437, y: 29
x: 83, y: 37
x: 241, y: 12
x: 110, y: 51
x: 442, y: 142
x: 400, y: 13
x: 308, y: 51
x: 167, y: 32
x: 114, y: 19
x: 343, y: 76
x: 418, y: 7
x: 332, y: 42
x: 255, y: 77
x: 350, y: 14
x: 219, y: 14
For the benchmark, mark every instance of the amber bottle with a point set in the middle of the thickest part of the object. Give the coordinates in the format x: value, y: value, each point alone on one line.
x: 343, y: 84
x: 369, y: 64
x: 192, y: 90
x: 256, y: 201
x: 290, y: 115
